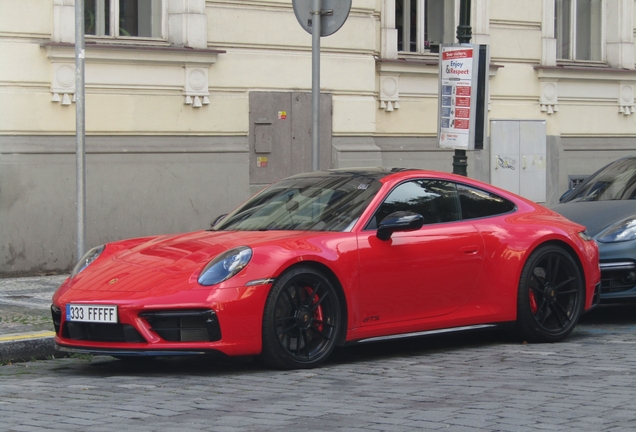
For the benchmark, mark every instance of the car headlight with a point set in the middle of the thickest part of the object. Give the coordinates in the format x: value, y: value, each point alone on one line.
x: 225, y: 266
x: 86, y: 260
x: 621, y: 231
x: 584, y: 236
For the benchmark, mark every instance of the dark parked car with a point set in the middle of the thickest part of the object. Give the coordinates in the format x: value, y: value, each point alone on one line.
x: 606, y: 204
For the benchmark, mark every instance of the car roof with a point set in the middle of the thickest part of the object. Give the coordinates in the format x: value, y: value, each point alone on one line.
x: 385, y: 175
x: 372, y: 172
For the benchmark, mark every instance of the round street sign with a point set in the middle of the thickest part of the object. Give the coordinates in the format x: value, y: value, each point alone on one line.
x: 334, y: 14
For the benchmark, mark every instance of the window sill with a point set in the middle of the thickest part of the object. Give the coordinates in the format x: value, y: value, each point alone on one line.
x: 421, y: 65
x: 581, y: 63
x: 592, y: 82
x: 427, y: 55
x: 140, y: 68
x: 578, y: 71
x: 128, y: 40
x: 132, y: 53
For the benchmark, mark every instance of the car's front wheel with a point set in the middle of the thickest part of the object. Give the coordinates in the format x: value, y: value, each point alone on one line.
x: 551, y: 295
x: 302, y: 320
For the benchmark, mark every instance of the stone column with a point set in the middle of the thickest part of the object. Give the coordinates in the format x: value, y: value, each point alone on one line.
x: 187, y: 23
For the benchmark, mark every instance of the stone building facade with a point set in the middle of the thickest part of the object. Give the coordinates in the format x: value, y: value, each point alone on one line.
x: 192, y: 105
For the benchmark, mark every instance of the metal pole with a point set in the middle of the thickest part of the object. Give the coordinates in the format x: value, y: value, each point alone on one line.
x: 315, y: 84
x: 464, y: 35
x: 80, y: 129
x: 464, y: 30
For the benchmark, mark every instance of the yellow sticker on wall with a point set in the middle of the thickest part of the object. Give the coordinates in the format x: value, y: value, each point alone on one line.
x: 261, y: 161
x: 282, y: 115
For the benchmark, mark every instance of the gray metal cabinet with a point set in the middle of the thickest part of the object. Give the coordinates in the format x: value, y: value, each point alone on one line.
x: 518, y: 148
x: 280, y: 135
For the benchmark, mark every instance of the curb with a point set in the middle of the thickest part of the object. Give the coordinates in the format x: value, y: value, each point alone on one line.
x: 25, y: 347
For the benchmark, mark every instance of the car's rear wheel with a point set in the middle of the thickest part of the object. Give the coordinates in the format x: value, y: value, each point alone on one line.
x: 551, y: 295
x: 302, y: 320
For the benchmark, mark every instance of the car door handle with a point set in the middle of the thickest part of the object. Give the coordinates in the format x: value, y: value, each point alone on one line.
x: 469, y: 250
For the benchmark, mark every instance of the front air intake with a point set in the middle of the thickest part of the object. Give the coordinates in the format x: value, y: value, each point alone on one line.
x: 99, y: 332
x: 199, y: 325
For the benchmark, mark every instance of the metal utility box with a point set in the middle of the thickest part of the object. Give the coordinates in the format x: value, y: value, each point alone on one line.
x: 280, y: 135
x: 518, y: 148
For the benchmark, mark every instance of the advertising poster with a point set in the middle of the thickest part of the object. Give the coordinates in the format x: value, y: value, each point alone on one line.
x: 457, y: 98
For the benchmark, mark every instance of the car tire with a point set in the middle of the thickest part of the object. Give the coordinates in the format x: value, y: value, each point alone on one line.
x: 302, y: 320
x: 551, y: 295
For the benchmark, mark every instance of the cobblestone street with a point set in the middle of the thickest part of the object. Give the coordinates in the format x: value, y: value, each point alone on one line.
x: 25, y: 303
x: 470, y: 381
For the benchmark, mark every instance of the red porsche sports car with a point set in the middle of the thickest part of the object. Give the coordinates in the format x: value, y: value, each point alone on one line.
x: 332, y: 258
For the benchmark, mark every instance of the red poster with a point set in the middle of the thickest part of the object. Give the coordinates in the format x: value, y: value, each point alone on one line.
x: 461, y: 124
x: 457, y: 54
x: 462, y: 102
x: 462, y: 113
x: 463, y: 91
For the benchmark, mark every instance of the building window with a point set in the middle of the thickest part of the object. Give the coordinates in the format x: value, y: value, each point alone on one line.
x: 578, y: 27
x: 423, y: 25
x: 123, y: 18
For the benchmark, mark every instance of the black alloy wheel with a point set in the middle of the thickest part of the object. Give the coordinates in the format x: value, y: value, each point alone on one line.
x: 302, y: 320
x: 551, y: 295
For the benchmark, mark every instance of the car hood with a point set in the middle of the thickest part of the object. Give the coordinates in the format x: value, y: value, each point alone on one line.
x: 164, y: 260
x: 596, y: 215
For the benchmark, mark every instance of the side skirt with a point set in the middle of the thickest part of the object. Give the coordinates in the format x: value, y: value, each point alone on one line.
x: 423, y: 333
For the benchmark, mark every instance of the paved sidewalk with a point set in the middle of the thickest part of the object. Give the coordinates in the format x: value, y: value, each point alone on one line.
x: 26, y: 328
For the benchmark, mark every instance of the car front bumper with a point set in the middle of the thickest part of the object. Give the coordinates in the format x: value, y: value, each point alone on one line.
x: 618, y: 281
x: 226, y: 321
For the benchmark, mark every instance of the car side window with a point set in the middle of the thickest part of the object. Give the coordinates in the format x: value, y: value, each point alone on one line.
x: 477, y: 203
x: 435, y: 200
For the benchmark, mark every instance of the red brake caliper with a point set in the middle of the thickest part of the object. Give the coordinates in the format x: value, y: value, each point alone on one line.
x: 318, y: 311
x: 533, y: 302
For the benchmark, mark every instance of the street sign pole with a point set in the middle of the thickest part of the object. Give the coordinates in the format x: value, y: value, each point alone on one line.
x: 316, y: 15
x: 80, y: 129
x: 464, y: 34
x: 309, y: 14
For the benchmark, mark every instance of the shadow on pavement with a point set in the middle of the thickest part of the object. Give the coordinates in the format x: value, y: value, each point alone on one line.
x: 192, y: 366
x: 611, y: 314
x: 603, y: 319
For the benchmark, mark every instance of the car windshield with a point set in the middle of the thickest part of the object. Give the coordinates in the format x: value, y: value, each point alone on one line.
x: 321, y: 203
x: 617, y: 181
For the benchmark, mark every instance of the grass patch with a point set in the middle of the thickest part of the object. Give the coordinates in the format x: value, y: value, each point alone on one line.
x: 25, y: 319
x: 81, y: 356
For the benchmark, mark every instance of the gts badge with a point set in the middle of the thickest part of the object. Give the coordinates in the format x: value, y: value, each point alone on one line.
x: 371, y: 319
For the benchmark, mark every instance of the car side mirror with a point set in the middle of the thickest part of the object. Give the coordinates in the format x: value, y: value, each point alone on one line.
x: 399, y: 221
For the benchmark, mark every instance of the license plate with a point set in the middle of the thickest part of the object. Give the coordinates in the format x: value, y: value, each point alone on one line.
x: 91, y: 313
